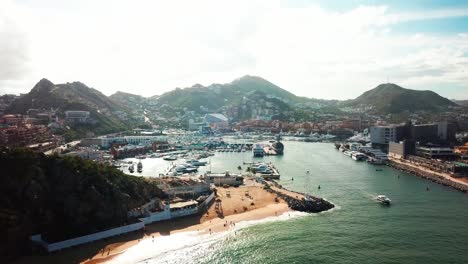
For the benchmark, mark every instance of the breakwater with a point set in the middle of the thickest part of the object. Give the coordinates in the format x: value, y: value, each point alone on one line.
x: 429, y: 176
x: 299, y: 201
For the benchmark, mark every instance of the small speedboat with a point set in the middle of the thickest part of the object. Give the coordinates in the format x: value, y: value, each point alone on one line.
x: 169, y: 157
x: 383, y: 199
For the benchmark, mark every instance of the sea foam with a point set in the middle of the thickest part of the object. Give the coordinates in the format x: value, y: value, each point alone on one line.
x: 184, y: 247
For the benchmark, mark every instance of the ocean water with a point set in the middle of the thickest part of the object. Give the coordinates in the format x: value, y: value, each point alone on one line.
x: 419, y: 227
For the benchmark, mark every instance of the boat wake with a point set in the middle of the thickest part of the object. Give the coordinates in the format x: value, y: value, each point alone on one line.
x: 184, y: 247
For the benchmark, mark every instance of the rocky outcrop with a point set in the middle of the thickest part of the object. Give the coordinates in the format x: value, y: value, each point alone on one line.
x: 310, y: 205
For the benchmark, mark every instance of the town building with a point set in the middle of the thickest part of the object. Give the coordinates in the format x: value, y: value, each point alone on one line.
x: 216, y: 121
x: 222, y: 179
x: 107, y: 142
x: 77, y: 116
x: 462, y: 151
x: 184, y: 186
x: 435, y: 153
x: 382, y: 135
x: 400, y: 150
x: 23, y: 135
x: 127, y: 151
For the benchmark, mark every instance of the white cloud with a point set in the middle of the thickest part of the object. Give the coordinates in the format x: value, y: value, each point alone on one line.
x: 150, y: 47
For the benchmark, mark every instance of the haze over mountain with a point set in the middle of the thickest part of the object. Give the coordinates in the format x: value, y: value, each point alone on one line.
x: 243, y: 98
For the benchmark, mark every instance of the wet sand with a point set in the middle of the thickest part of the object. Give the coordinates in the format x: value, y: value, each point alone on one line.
x: 243, y: 203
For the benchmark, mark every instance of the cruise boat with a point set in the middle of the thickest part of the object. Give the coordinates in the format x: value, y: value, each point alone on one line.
x: 139, y: 167
x: 258, y: 151
x: 383, y: 199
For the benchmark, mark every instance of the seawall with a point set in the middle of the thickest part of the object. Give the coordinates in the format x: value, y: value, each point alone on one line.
x: 429, y: 176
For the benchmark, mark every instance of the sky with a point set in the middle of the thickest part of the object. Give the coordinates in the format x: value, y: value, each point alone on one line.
x: 320, y: 49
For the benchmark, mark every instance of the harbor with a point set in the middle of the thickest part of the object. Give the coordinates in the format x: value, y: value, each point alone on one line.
x: 352, y: 186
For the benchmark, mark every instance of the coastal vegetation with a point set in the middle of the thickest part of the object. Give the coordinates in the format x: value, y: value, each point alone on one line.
x: 62, y: 197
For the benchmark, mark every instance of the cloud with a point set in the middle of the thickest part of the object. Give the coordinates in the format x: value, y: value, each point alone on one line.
x: 14, y: 56
x: 150, y: 47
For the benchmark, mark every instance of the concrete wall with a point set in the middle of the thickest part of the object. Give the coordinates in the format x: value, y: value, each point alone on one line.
x: 158, y: 216
x: 154, y: 217
x: 89, y: 238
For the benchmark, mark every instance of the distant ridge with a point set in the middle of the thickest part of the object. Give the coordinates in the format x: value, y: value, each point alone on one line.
x: 46, y: 95
x: 392, y: 98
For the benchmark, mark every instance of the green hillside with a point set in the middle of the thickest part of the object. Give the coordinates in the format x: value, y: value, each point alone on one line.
x: 391, y: 98
x: 73, y: 96
x: 62, y: 197
x: 216, y: 96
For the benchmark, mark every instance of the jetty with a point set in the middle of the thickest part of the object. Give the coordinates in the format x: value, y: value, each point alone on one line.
x: 299, y: 201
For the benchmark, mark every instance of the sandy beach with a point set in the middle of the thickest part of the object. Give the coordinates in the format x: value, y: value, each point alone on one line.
x: 243, y: 203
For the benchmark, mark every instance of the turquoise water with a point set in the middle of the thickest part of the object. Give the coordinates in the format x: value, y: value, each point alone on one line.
x: 419, y: 227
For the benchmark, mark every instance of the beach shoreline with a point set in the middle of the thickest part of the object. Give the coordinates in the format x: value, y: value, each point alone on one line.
x: 236, y: 204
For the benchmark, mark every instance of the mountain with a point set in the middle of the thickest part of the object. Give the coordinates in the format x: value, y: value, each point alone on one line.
x: 69, y: 96
x: 215, y: 96
x: 129, y: 100
x: 73, y: 96
x: 391, y: 98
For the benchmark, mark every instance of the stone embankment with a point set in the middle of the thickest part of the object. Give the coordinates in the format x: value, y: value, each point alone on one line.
x: 299, y: 201
x: 429, y: 176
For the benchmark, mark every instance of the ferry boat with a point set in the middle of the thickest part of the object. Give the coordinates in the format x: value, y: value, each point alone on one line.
x: 139, y: 167
x: 383, y: 199
x: 258, y: 151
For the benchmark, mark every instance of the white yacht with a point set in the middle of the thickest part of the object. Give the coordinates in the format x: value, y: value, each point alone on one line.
x: 139, y: 167
x: 196, y: 163
x: 357, y: 156
x: 169, y: 157
x: 383, y: 199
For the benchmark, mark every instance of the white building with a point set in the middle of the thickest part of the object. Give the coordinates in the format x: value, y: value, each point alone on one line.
x: 77, y: 116
x: 216, y: 120
x: 132, y: 140
x: 383, y: 134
